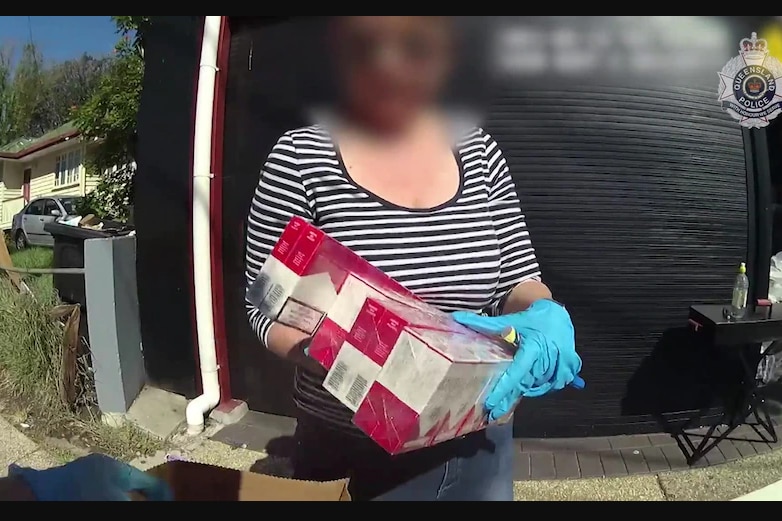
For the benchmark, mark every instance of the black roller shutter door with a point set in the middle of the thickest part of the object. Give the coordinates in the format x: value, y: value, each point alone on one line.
x: 635, y: 195
x: 636, y: 199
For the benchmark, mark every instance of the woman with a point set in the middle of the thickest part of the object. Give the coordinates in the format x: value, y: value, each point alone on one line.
x: 436, y: 209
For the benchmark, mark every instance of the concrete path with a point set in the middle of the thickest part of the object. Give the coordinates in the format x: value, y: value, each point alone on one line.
x: 738, y: 480
x: 772, y: 492
x: 17, y: 448
x: 719, y: 483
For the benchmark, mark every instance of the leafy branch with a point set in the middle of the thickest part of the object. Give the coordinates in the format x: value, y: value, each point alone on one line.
x: 108, y: 121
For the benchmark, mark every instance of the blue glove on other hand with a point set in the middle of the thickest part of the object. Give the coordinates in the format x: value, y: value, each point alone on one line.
x: 545, y: 361
x: 92, y: 478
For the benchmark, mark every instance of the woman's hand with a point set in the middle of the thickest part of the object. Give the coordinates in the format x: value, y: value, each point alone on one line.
x: 92, y: 478
x: 545, y: 361
x: 291, y: 344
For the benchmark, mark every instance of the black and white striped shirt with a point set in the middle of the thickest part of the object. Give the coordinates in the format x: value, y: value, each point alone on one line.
x: 465, y: 254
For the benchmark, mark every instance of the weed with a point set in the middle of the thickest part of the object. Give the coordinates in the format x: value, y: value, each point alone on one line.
x: 42, y: 286
x: 30, y: 362
x: 9, y: 241
x: 30, y: 346
x: 125, y: 442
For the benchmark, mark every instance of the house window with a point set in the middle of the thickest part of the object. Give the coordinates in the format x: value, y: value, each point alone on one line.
x: 68, y: 168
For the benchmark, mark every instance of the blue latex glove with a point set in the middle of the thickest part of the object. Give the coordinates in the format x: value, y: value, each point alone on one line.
x: 546, y: 360
x: 92, y: 478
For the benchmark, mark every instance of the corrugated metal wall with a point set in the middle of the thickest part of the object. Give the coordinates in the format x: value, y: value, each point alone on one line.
x: 636, y: 200
x: 635, y: 192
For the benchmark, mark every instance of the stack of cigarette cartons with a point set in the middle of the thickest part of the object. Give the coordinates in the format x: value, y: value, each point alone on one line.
x: 412, y: 376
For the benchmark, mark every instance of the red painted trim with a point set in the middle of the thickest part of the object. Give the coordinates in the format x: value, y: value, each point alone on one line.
x: 40, y: 146
x: 191, y: 281
x: 216, y: 209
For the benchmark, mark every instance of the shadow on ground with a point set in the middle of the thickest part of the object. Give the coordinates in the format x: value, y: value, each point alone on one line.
x: 686, y: 384
x: 278, y: 461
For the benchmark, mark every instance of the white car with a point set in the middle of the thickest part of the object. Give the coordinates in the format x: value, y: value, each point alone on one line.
x: 27, y: 225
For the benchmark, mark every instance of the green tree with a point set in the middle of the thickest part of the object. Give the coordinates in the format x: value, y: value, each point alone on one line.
x: 6, y: 96
x: 35, y: 99
x: 69, y: 85
x: 29, y: 88
x: 109, y: 117
x: 132, y: 27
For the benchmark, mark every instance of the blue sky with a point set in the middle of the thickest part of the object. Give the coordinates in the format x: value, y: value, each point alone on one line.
x: 60, y: 37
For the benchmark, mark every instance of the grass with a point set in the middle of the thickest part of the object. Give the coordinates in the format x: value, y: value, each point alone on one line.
x: 41, y: 285
x: 30, y: 359
x: 30, y: 342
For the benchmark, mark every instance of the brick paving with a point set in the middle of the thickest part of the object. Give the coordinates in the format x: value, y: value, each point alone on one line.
x: 546, y: 459
x: 574, y: 458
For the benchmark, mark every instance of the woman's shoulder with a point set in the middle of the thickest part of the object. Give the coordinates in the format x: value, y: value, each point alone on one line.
x: 311, y: 141
x: 315, y: 132
x: 476, y: 138
x: 465, y: 127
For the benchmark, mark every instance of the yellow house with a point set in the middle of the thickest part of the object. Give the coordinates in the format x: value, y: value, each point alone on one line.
x: 51, y: 165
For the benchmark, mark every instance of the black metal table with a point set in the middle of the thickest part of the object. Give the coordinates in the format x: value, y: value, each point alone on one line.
x: 741, y: 338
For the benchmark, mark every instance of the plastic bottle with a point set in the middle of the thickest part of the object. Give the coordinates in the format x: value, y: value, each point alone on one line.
x: 738, y: 304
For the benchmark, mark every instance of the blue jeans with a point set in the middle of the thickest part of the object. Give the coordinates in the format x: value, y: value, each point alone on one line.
x: 477, y: 467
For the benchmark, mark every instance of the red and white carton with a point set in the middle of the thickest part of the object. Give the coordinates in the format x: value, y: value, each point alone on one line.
x: 300, y: 280
x: 431, y: 388
x: 412, y: 376
x: 343, y: 322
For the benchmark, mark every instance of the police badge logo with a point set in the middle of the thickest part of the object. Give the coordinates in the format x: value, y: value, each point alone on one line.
x: 748, y: 84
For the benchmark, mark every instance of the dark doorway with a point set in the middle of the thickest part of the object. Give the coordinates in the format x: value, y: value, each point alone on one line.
x: 26, y: 176
x: 162, y: 202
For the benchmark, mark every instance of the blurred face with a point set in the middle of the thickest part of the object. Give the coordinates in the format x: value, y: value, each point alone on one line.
x: 391, y: 67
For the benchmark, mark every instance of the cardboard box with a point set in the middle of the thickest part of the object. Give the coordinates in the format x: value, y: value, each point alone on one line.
x: 300, y: 280
x: 198, y: 482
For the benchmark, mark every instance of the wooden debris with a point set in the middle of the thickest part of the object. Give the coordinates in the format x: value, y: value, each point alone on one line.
x: 15, y: 278
x: 89, y: 220
x: 67, y: 384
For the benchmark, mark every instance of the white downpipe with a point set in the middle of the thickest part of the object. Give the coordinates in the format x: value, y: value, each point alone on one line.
x: 202, y: 232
